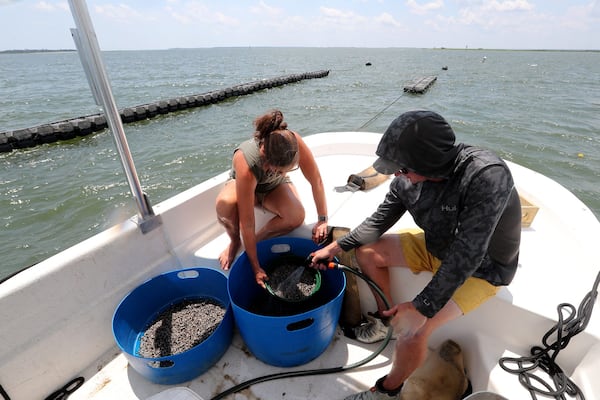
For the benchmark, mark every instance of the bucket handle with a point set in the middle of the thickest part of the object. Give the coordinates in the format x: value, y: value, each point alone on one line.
x: 298, y: 325
x: 188, y: 274
x: 281, y: 248
x: 161, y: 364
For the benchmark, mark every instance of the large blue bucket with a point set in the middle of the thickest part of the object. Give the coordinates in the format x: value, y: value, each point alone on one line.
x: 286, y: 340
x: 142, y: 306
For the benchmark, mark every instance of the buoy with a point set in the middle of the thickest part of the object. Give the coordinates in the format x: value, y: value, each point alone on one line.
x: 580, y: 155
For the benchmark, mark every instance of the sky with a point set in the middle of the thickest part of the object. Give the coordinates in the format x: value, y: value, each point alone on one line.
x: 163, y: 24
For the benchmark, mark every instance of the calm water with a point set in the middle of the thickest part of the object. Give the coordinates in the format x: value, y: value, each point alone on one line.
x: 539, y: 109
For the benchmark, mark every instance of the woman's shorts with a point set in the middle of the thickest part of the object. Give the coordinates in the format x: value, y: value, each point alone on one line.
x: 264, y: 191
x: 468, y: 296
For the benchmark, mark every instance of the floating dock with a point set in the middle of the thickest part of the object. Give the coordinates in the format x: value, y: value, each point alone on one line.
x: 83, y: 126
x: 420, y: 85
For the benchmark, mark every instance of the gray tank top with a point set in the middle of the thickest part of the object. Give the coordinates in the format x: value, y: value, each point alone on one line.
x: 266, y: 182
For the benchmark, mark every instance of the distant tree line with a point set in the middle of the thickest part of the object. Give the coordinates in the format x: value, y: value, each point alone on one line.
x: 33, y: 51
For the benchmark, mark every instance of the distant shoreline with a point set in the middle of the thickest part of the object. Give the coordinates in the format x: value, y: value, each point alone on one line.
x: 26, y: 51
x: 34, y: 51
x: 548, y: 50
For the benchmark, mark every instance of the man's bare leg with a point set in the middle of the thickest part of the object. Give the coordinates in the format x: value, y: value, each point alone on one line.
x: 374, y: 260
x: 411, y: 353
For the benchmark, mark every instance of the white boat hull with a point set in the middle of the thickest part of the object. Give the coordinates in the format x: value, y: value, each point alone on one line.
x: 56, y: 316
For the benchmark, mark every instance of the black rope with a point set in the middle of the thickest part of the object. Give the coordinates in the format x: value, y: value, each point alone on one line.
x: 60, y: 394
x: 570, y: 322
x: 380, y: 112
x: 67, y: 390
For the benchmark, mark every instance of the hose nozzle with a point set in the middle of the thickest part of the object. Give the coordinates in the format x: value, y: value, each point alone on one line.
x: 323, y: 261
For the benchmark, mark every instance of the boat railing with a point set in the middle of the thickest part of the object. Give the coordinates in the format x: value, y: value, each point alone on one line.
x: 91, y: 59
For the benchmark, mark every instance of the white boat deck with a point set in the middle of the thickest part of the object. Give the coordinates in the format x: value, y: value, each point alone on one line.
x: 557, y: 264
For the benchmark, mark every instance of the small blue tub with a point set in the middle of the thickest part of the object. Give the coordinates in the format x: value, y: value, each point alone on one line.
x: 143, y: 305
x: 299, y: 335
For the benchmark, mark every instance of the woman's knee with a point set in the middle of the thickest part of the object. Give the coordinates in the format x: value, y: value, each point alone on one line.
x: 294, y: 218
x: 226, y: 208
x: 226, y: 199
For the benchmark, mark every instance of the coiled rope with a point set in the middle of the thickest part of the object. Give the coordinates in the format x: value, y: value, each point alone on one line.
x: 570, y: 323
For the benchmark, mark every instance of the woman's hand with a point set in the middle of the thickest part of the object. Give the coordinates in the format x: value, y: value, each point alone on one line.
x: 261, y: 276
x: 319, y: 232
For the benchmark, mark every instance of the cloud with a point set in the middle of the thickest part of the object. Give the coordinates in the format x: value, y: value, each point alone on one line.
x: 497, y: 23
x: 122, y: 13
x: 335, y: 13
x: 388, y: 20
x: 582, y: 17
x: 494, y: 14
x: 226, y: 20
x: 595, y: 9
x: 514, y: 5
x: 340, y: 17
x: 264, y: 9
x: 421, y: 9
x: 194, y: 12
x: 45, y: 6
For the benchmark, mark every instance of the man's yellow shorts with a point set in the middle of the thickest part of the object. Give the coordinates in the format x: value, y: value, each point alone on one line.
x: 469, y: 296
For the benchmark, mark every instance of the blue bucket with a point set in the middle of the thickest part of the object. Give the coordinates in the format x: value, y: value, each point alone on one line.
x: 143, y: 305
x: 287, y: 340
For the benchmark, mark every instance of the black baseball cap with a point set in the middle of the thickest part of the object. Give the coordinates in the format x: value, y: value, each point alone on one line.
x: 421, y: 141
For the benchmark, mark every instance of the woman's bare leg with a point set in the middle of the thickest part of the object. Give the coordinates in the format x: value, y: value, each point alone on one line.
x: 284, y: 202
x: 227, y: 215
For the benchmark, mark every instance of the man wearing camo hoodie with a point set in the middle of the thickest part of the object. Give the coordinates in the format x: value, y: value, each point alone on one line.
x: 464, y: 201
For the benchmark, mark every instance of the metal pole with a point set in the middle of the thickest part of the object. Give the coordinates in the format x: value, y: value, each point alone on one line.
x: 89, y: 52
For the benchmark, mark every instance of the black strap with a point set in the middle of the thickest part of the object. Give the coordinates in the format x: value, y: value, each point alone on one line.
x: 3, y: 393
x: 66, y: 390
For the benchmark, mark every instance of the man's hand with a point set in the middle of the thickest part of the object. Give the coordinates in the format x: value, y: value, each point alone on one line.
x: 320, y: 258
x: 407, y: 321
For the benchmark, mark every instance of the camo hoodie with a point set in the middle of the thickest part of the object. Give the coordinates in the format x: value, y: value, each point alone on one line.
x: 471, y: 220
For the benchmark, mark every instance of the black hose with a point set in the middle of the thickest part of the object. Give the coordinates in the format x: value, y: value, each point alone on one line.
x: 323, y: 371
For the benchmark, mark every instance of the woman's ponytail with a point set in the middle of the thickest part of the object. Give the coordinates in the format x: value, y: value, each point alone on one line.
x: 280, y: 144
x: 267, y: 123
